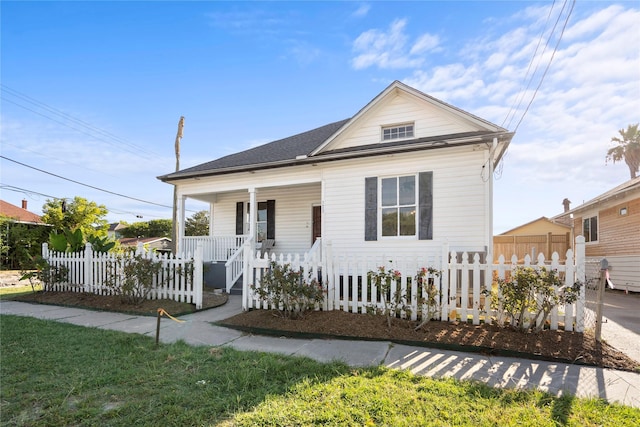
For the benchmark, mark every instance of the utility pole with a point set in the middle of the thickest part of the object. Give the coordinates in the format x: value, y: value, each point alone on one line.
x: 174, y: 224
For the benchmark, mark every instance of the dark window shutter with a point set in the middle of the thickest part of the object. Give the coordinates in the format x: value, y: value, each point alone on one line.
x: 371, y: 208
x: 239, y: 218
x: 425, y: 205
x: 271, y: 219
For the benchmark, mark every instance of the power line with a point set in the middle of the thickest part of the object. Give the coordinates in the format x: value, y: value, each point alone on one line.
x: 88, y: 128
x: 31, y: 192
x: 86, y: 185
x: 544, y: 74
x: 513, y: 109
x: 526, y: 78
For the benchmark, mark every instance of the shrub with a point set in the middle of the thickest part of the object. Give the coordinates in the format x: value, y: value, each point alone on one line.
x: 429, y: 301
x: 45, y: 273
x: 529, y: 296
x: 134, y: 277
x: 394, y: 302
x: 288, y: 291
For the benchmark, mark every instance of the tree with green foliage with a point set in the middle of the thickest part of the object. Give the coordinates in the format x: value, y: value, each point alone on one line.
x: 20, y: 243
x: 628, y: 149
x: 78, y: 213
x: 153, y: 228
x: 197, y: 224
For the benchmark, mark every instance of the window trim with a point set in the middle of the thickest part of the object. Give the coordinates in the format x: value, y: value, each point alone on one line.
x: 587, y: 238
x: 398, y: 206
x: 425, y: 214
x: 398, y: 126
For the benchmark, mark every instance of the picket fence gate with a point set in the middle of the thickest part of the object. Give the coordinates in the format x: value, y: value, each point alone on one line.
x: 460, y: 284
x: 180, y: 279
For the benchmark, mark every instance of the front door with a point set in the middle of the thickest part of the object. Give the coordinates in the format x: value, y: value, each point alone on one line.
x: 317, y: 223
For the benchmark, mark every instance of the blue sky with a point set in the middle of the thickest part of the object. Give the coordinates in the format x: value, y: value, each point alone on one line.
x: 92, y: 91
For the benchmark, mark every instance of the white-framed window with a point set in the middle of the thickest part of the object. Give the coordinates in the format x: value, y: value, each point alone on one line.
x: 590, y: 229
x: 402, y: 131
x: 398, y: 206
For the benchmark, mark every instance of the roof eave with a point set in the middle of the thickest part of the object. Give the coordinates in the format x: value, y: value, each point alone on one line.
x: 504, y: 137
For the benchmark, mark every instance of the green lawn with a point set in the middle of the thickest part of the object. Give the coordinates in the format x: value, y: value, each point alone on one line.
x: 11, y: 291
x: 56, y: 374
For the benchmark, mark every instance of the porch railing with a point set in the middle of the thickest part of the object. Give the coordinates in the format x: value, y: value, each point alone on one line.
x: 215, y: 248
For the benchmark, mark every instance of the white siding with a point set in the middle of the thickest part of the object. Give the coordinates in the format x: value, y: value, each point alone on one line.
x: 624, y: 271
x: 459, y: 212
x: 458, y: 190
x: 403, y: 108
x: 293, y: 215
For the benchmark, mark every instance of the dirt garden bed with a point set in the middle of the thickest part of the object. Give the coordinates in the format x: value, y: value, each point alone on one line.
x: 570, y: 347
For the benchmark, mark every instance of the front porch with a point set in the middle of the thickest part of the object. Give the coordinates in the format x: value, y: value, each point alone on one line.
x: 227, y: 254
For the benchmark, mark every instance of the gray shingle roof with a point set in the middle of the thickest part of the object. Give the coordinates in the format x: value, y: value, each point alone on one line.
x: 282, y: 150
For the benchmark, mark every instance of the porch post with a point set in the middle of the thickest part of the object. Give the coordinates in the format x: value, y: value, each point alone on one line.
x: 181, y: 217
x: 253, y: 214
x: 210, y: 219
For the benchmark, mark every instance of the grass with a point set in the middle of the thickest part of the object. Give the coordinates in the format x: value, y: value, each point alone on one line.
x: 56, y: 374
x: 11, y: 291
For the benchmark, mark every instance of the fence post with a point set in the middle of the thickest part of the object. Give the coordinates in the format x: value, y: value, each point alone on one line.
x: 246, y: 270
x: 580, y: 264
x: 45, y: 252
x: 88, y: 270
x: 197, y: 276
x: 604, y: 265
x: 444, y: 282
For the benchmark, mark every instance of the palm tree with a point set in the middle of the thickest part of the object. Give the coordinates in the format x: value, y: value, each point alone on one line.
x: 628, y: 149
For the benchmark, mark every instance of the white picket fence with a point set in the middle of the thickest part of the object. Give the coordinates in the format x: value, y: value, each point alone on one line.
x: 459, y: 285
x: 180, y: 279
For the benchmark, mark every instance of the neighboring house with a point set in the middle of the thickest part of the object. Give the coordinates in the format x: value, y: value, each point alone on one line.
x: 23, y: 232
x: 610, y: 224
x: 406, y: 174
x: 158, y: 244
x: 115, y: 230
x: 538, y: 236
x: 19, y: 214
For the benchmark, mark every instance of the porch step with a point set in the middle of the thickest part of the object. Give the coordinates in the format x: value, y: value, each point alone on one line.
x: 236, y: 289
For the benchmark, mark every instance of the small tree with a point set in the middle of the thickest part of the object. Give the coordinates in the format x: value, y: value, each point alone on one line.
x: 78, y: 213
x: 153, y: 228
x: 288, y: 291
x: 197, y: 224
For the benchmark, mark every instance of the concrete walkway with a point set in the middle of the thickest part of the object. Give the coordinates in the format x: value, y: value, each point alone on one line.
x: 556, y: 378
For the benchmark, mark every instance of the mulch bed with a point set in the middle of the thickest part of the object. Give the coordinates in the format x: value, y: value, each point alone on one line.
x: 561, y: 346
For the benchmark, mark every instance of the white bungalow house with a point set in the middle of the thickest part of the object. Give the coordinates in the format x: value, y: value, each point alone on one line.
x: 401, y: 177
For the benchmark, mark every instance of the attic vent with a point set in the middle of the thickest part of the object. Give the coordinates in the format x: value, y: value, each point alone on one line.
x: 397, y: 132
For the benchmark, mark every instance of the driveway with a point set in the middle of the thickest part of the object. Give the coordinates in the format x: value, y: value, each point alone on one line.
x: 621, y: 322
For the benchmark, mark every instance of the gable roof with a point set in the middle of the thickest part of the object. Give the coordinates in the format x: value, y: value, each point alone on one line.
x: 18, y: 214
x: 542, y: 219
x: 619, y: 191
x: 314, y: 146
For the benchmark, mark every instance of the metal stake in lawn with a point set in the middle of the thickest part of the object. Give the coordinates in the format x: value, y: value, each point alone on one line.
x: 604, y: 266
x: 162, y: 311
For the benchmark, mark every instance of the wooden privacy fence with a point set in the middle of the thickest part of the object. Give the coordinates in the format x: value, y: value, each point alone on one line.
x: 180, y: 278
x: 459, y: 285
x: 532, y: 245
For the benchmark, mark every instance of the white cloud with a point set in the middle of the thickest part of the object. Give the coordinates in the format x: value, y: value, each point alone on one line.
x: 391, y: 49
x: 362, y: 10
x: 591, y: 90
